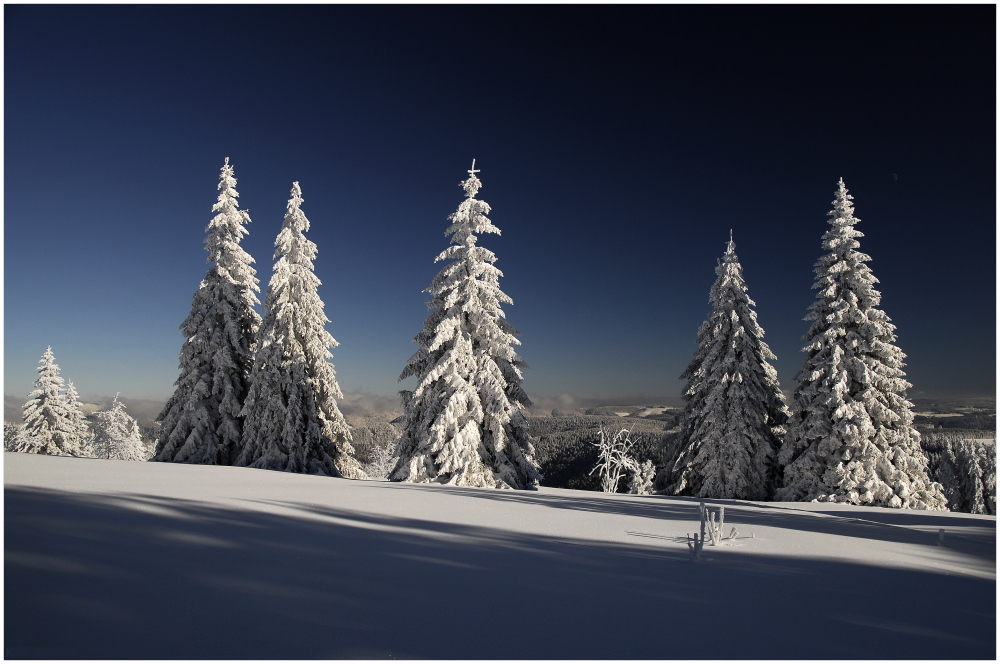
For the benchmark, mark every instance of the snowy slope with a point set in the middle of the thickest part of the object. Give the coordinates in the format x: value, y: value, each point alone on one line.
x: 117, y: 559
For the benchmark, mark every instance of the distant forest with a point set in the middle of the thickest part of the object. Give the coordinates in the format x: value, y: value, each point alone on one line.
x: 565, y: 450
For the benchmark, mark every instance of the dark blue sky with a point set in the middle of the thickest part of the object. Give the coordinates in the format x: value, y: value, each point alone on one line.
x: 618, y: 146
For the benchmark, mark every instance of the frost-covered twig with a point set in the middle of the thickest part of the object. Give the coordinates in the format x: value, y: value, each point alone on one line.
x: 697, y: 543
x: 716, y: 525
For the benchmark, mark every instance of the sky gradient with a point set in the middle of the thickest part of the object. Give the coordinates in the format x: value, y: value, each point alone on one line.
x: 617, y: 147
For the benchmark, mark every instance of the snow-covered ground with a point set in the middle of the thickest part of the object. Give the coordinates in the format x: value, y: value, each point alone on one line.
x: 659, y: 410
x: 117, y: 559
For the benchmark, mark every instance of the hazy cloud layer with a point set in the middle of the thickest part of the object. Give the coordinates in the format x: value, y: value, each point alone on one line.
x: 361, y: 403
x: 146, y: 410
x: 143, y: 410
x: 357, y: 403
x: 568, y: 401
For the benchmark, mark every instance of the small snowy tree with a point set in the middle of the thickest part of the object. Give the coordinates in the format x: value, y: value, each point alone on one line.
x: 11, y: 432
x: 117, y: 435
x: 383, y: 460
x: 851, y: 437
x: 79, y: 427
x: 49, y: 422
x: 641, y: 482
x: 464, y: 423
x: 15, y: 440
x: 292, y: 419
x: 150, y: 436
x: 201, y: 421
x: 733, y: 420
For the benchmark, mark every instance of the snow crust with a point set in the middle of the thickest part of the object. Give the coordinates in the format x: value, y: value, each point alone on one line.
x: 151, y: 560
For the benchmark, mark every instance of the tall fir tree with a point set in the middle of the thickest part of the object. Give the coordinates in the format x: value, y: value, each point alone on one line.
x: 464, y: 423
x: 201, y: 421
x: 733, y: 419
x: 292, y: 419
x: 851, y: 437
x: 49, y: 424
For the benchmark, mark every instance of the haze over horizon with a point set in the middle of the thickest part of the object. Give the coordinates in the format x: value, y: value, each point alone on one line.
x: 617, y: 147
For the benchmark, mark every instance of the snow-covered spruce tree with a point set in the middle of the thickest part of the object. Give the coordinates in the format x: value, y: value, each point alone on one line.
x: 292, y: 419
x: 117, y: 435
x: 201, y: 421
x: 13, y: 437
x: 966, y: 470
x: 851, y: 437
x: 49, y: 424
x: 734, y: 417
x: 464, y: 423
x: 79, y: 426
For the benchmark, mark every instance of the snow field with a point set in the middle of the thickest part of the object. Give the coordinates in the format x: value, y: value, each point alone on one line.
x: 150, y: 560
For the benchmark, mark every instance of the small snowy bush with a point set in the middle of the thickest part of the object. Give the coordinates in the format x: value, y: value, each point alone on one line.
x: 641, y: 482
x: 383, y: 460
x: 117, y: 435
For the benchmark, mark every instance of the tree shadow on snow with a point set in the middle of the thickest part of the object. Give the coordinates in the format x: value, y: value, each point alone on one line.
x: 976, y: 537
x: 134, y: 576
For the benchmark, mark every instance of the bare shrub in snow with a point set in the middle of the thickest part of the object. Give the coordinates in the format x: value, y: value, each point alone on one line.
x: 712, y: 529
x: 613, y: 460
